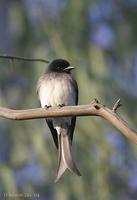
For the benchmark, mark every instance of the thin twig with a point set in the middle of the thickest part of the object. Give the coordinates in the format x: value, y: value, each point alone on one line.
x: 93, y: 109
x: 23, y: 59
x: 117, y: 105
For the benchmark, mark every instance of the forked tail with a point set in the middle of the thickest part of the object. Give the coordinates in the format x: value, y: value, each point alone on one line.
x: 65, y: 159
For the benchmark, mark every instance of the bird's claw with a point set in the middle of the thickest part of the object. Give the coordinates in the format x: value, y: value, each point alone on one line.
x: 47, y: 107
x: 61, y: 105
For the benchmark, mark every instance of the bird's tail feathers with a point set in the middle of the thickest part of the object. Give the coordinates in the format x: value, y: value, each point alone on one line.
x: 65, y: 159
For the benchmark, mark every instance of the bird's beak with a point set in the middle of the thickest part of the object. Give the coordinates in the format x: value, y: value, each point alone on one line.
x: 69, y: 68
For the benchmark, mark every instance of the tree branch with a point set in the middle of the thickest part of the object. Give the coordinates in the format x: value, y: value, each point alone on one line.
x: 24, y: 59
x: 93, y: 109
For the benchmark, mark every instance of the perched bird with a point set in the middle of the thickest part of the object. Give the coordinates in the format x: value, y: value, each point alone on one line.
x: 58, y: 88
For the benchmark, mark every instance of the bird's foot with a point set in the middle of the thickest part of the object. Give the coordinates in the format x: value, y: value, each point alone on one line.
x: 61, y: 105
x: 47, y: 107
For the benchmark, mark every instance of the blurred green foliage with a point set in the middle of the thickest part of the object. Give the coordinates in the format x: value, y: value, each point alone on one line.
x: 99, y: 38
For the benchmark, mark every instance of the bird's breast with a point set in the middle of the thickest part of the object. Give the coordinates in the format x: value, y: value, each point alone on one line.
x: 56, y: 91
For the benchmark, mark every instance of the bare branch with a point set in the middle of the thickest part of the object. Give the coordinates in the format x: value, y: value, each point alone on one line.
x: 24, y: 59
x: 93, y: 109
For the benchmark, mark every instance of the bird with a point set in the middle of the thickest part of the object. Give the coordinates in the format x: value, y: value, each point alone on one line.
x: 57, y: 87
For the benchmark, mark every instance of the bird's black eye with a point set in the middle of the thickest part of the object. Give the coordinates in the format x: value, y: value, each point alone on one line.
x: 61, y: 68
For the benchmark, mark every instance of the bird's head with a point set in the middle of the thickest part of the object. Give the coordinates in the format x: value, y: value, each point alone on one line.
x: 60, y: 65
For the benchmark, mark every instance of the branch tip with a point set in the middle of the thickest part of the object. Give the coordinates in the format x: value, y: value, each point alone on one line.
x: 117, y: 105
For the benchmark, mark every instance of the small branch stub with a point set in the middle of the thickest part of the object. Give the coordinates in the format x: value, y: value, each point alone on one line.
x: 117, y: 105
x: 96, y: 104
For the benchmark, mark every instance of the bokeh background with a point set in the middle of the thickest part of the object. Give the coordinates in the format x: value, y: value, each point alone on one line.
x: 100, y: 39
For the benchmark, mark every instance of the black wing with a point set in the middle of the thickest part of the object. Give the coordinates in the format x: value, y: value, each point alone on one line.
x: 53, y: 131
x: 73, y: 121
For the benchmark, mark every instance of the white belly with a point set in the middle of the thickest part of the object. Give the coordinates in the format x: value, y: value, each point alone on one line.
x: 56, y: 92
